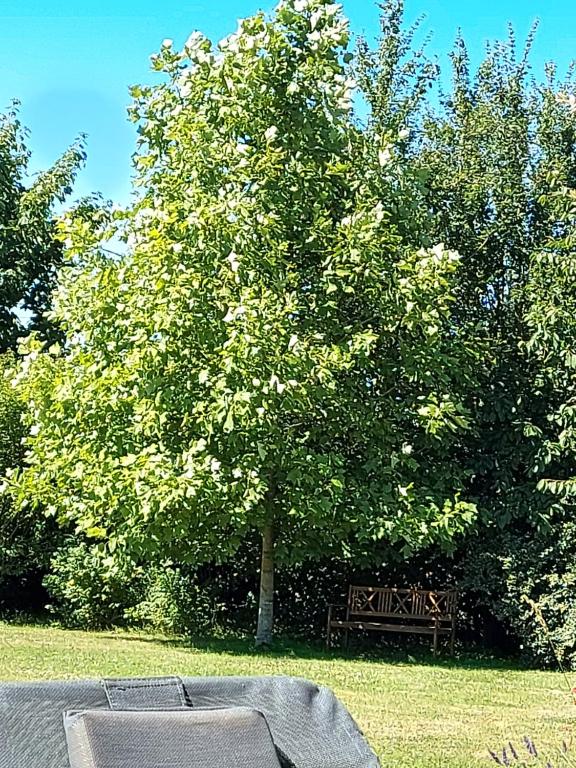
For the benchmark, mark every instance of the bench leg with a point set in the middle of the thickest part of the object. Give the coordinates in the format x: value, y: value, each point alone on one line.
x: 346, y: 639
x: 435, y: 636
x: 452, y: 637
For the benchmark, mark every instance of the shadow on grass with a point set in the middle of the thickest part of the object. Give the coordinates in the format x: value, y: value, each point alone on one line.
x: 287, y: 648
x: 362, y: 648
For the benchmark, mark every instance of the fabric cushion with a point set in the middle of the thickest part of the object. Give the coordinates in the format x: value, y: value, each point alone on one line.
x: 310, y: 727
x: 235, y: 737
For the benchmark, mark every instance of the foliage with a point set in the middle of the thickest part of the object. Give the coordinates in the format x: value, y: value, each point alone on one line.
x: 539, y: 565
x: 491, y: 160
x: 552, y: 291
x: 495, y: 163
x: 488, y: 158
x: 85, y: 594
x: 30, y: 254
x: 176, y: 602
x: 273, y: 350
x: 25, y: 541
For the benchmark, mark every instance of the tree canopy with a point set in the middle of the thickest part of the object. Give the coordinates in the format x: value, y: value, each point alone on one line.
x: 29, y: 251
x: 276, y: 351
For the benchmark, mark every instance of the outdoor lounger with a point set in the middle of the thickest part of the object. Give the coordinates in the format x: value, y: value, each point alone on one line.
x: 171, y: 722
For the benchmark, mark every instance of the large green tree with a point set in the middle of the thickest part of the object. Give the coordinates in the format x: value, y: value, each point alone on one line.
x: 552, y: 313
x: 273, y: 353
x: 487, y: 156
x: 494, y: 156
x: 30, y: 254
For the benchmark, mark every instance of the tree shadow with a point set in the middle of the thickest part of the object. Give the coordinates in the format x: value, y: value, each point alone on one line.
x: 468, y: 658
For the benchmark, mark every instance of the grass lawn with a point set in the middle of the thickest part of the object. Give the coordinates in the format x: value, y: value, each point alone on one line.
x: 414, y: 713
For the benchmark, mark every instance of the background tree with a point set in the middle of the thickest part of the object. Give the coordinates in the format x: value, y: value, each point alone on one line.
x: 491, y: 160
x: 551, y: 317
x: 512, y: 145
x: 477, y: 164
x: 30, y: 255
x: 273, y: 353
x: 29, y: 252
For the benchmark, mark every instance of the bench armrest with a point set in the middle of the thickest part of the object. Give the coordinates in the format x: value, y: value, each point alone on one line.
x: 332, y: 606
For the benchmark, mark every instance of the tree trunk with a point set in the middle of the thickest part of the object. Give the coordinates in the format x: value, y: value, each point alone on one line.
x: 266, y: 602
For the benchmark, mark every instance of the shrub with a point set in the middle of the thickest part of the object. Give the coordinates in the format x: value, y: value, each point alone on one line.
x: 176, y: 602
x: 84, y: 593
x: 529, y: 563
x: 26, y: 539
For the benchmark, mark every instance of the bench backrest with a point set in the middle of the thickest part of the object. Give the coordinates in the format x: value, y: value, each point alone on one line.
x: 389, y: 602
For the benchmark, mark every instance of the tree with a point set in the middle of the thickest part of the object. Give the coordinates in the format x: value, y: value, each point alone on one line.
x: 496, y: 161
x: 552, y: 313
x: 29, y: 257
x: 272, y: 353
x: 30, y: 254
x: 487, y: 156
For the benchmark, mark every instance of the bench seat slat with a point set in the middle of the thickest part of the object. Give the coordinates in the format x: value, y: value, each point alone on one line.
x: 380, y: 626
x: 411, y: 616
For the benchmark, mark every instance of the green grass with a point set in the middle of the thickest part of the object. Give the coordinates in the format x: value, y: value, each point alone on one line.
x: 413, y: 712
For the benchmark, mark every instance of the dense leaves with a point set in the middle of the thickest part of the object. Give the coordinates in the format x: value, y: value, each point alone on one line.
x: 29, y: 257
x: 273, y: 350
x: 29, y: 251
x: 495, y: 159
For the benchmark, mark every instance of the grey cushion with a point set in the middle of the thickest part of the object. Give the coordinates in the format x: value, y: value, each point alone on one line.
x: 236, y: 737
x: 309, y: 726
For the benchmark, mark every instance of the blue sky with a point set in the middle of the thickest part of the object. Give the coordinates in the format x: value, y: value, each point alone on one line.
x: 70, y: 62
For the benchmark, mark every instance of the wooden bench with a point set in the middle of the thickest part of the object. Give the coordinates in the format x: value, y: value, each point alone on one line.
x: 386, y: 609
